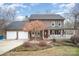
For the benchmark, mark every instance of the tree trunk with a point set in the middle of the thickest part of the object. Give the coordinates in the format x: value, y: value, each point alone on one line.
x: 35, y: 35
x: 75, y: 22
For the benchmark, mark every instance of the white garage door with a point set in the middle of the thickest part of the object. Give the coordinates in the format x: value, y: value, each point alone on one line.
x: 11, y: 35
x: 22, y: 35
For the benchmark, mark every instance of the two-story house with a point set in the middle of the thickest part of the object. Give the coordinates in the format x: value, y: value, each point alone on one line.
x: 54, y: 24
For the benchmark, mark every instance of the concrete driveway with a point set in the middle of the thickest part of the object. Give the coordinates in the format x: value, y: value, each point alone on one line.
x: 6, y: 45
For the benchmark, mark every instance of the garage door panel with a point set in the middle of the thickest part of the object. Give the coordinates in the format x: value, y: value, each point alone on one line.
x: 11, y: 34
x: 22, y: 35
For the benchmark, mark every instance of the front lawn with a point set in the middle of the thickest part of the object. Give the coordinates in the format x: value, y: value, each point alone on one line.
x: 57, y: 49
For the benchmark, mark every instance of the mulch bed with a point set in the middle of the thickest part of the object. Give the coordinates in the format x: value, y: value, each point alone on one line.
x: 34, y: 45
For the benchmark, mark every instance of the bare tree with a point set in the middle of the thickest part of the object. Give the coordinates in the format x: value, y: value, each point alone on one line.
x: 72, y: 15
x: 75, y: 12
x: 7, y: 15
x: 69, y: 24
x: 34, y: 26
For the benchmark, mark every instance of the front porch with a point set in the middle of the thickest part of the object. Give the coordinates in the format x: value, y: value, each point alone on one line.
x: 44, y: 34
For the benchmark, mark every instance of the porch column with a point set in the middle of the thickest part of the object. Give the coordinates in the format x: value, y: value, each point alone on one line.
x: 17, y: 35
x: 28, y: 35
x: 48, y: 33
x: 43, y: 34
x: 62, y: 32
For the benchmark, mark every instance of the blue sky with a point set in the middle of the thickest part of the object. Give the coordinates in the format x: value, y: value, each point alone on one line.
x: 29, y: 8
x: 26, y: 9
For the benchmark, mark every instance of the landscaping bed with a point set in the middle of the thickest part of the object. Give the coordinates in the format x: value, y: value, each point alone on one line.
x: 34, y: 45
x: 44, y: 48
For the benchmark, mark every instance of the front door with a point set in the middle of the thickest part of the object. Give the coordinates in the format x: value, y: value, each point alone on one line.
x: 45, y: 33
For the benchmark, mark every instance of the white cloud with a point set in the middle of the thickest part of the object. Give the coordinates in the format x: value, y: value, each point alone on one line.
x: 1, y: 4
x: 64, y: 8
x: 64, y: 5
x: 54, y: 3
x: 59, y: 12
x: 20, y: 18
x: 17, y: 12
x: 39, y: 1
x: 18, y: 5
x: 34, y: 4
x: 71, y: 5
x: 68, y: 5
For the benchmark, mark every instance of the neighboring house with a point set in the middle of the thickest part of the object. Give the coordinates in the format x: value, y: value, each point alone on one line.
x: 54, y: 24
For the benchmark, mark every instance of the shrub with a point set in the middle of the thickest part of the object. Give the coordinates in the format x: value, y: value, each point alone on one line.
x: 75, y: 39
x: 42, y: 43
x: 53, y: 40
x: 27, y: 44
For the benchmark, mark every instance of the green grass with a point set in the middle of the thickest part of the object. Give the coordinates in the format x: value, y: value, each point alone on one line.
x: 77, y: 51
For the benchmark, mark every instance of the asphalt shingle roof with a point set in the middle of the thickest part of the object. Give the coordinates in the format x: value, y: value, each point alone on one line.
x: 17, y: 25
x: 46, y: 16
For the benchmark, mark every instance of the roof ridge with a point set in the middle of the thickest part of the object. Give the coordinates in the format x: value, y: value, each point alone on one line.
x: 46, y: 16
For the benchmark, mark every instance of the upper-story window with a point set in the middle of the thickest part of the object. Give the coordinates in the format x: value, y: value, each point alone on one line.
x: 59, y: 24
x: 52, y: 24
x: 56, y: 23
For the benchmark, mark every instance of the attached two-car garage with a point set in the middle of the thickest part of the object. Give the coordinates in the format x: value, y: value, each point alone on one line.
x: 15, y: 31
x: 16, y: 35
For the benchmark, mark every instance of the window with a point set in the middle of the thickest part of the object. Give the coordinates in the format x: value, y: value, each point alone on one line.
x: 57, y: 32
x: 38, y: 33
x: 51, y: 32
x: 59, y: 24
x: 52, y: 24
x: 33, y: 34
